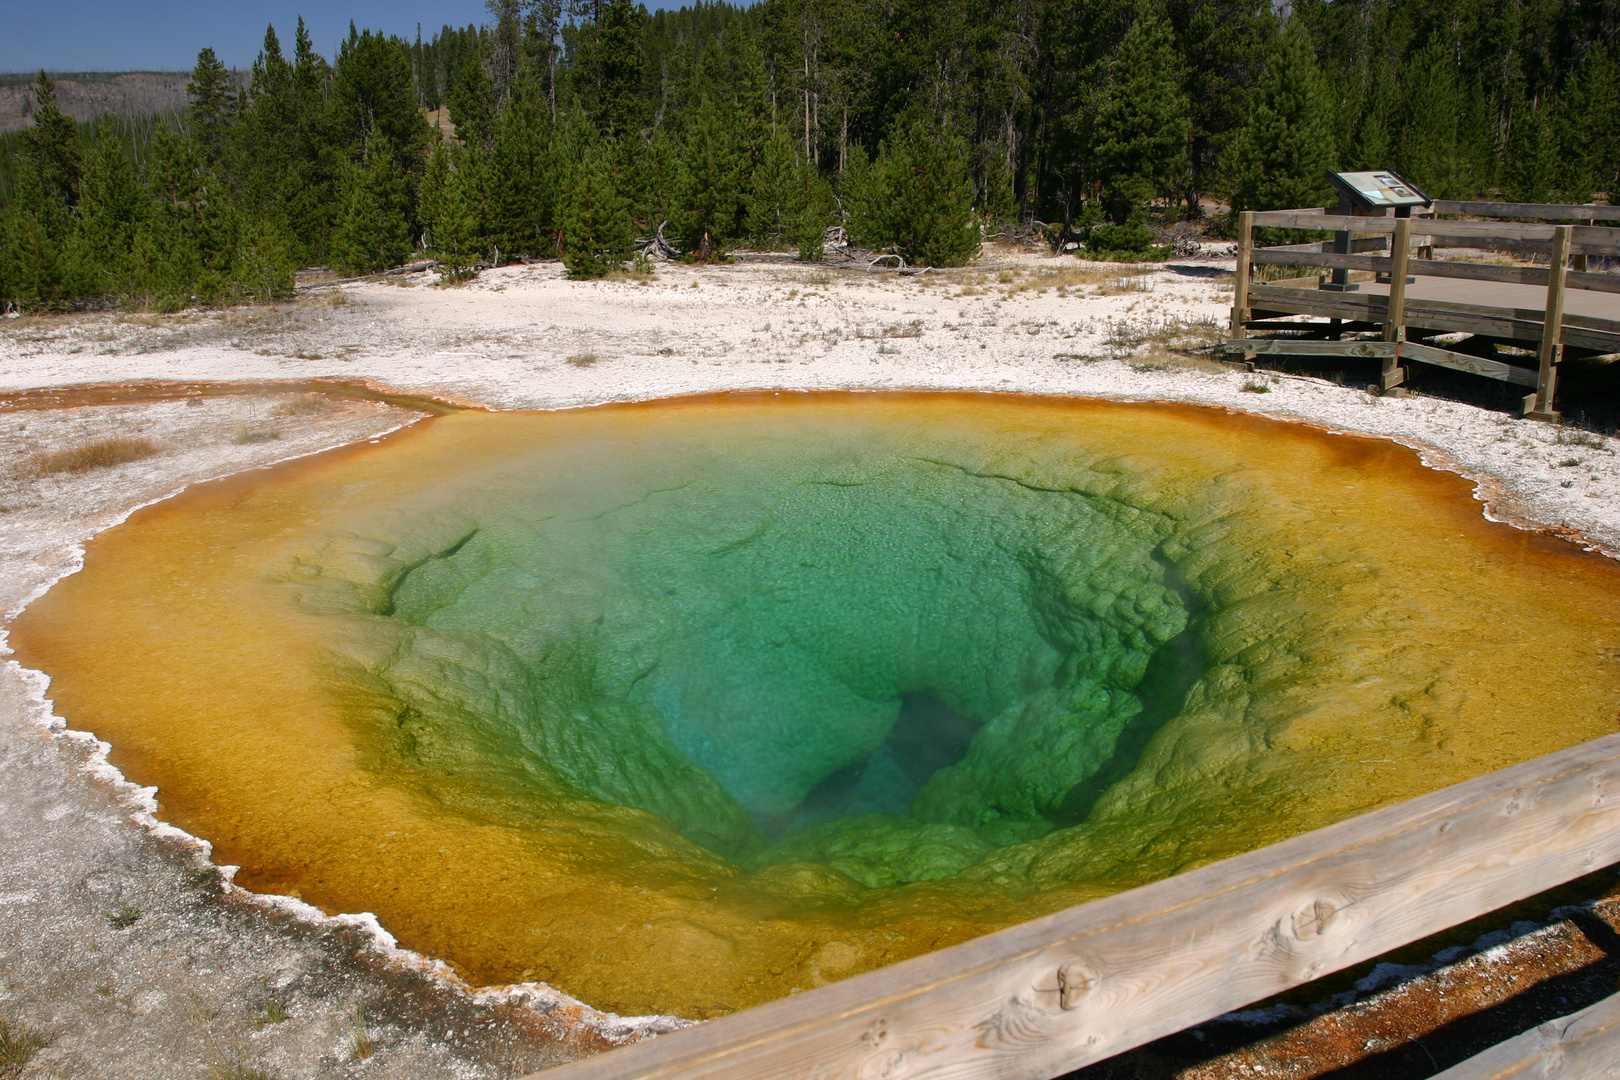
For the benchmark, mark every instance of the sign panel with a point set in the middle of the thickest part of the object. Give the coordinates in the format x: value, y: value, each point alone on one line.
x: 1379, y: 188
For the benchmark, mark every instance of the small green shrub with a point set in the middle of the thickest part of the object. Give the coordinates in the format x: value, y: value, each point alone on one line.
x: 124, y: 918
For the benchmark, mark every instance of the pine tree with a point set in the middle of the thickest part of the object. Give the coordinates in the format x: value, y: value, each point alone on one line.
x: 748, y: 86
x: 51, y: 147
x: 597, y: 231
x: 813, y: 209
x: 1535, y: 170
x: 450, y: 191
x: 168, y: 253
x: 264, y: 143
x: 545, y: 28
x: 915, y: 199
x: 31, y: 271
x: 372, y: 92
x: 654, y: 185
x: 710, y: 189
x: 1221, y: 46
x: 618, y: 53
x: 373, y: 231
x: 262, y: 267
x: 310, y: 69
x: 861, y: 199
x: 1433, y: 151
x: 213, y: 105
x: 111, y: 202
x: 1281, y: 154
x: 1373, y: 144
x: 519, y: 212
x: 506, y: 46
x: 1143, y: 121
x: 1590, y: 126
x: 998, y: 196
x: 472, y: 103
x: 771, y: 193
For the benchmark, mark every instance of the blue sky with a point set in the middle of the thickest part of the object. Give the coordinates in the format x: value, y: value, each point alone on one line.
x: 126, y: 35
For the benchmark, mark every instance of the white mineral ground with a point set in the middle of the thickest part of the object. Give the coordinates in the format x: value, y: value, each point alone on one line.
x: 198, y: 982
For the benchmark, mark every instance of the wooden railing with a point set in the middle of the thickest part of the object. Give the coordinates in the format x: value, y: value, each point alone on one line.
x: 1545, y: 211
x: 1039, y: 999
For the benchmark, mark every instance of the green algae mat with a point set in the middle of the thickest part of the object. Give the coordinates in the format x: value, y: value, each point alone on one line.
x: 682, y: 706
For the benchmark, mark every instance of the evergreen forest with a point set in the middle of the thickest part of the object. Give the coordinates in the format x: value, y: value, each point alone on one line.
x: 572, y: 129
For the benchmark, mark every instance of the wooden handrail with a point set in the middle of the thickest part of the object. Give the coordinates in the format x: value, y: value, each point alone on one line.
x: 1051, y: 995
x: 1300, y: 219
x: 1518, y: 275
x: 1513, y: 235
x: 1360, y: 243
x: 1545, y: 211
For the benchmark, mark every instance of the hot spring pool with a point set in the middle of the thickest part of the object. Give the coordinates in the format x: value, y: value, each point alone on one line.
x: 682, y: 706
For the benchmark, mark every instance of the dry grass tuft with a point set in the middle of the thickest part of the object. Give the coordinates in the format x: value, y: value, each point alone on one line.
x: 95, y: 454
x: 912, y: 329
x: 18, y: 1045
x: 361, y: 1044
x: 304, y: 405
x: 245, y: 434
x: 236, y: 1070
x: 1108, y: 280
x: 1161, y: 359
x: 274, y: 1013
x: 584, y: 359
x: 1571, y: 436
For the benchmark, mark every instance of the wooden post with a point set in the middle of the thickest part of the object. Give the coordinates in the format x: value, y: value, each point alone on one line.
x: 1240, y: 290
x: 1395, y: 316
x: 1539, y: 406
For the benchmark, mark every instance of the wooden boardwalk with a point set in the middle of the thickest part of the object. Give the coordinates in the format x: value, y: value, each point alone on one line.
x: 1558, y: 311
x: 1501, y: 310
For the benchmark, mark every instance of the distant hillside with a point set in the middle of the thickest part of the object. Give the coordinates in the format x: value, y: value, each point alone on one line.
x: 87, y: 95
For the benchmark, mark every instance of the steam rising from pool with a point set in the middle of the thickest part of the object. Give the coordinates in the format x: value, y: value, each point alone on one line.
x: 682, y: 706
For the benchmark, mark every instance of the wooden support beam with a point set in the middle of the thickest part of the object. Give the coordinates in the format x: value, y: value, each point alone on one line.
x: 1334, y: 328
x: 1540, y: 405
x: 1365, y: 350
x: 1394, y: 315
x: 1584, y: 1044
x: 1240, y: 290
x: 1474, y: 365
x: 1391, y: 352
x: 1056, y: 993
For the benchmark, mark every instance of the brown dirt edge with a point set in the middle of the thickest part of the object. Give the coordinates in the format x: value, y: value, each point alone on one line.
x: 1416, y: 1011
x: 145, y: 392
